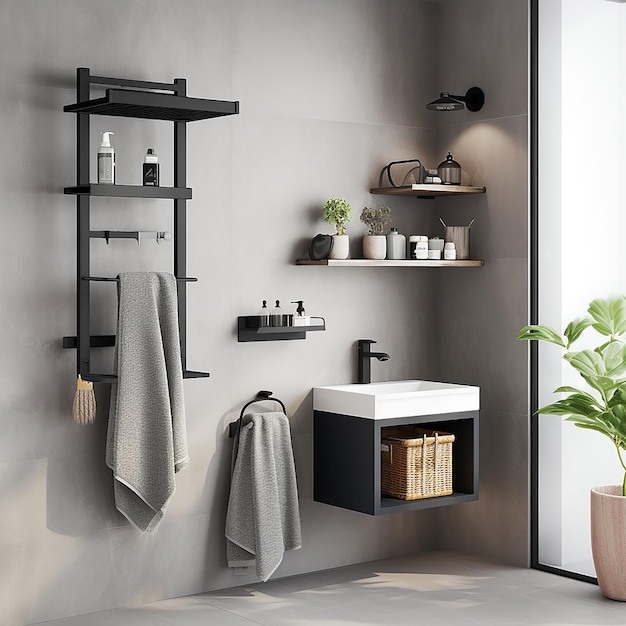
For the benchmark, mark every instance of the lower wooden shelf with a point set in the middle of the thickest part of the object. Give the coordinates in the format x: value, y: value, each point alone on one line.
x: 390, y: 263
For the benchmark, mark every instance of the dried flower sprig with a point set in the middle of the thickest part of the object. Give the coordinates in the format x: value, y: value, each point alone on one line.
x: 376, y: 219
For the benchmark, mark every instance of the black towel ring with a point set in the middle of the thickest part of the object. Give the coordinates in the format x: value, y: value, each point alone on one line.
x: 261, y: 396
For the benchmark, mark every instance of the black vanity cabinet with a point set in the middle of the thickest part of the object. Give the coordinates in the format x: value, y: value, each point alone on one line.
x: 347, y: 460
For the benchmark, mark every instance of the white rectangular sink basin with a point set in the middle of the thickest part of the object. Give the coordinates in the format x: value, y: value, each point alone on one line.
x: 403, y: 398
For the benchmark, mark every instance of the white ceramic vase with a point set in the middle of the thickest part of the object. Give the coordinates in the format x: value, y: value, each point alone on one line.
x: 375, y: 247
x: 341, y: 247
x: 608, y: 540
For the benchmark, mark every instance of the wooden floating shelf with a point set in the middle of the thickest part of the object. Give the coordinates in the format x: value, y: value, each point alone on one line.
x: 390, y: 263
x: 428, y: 191
x: 130, y: 191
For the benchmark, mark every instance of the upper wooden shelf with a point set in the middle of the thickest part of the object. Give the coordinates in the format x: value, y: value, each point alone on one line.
x: 159, y: 106
x: 391, y: 263
x: 428, y: 191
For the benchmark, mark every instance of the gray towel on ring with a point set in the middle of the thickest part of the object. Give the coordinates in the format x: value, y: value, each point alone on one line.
x: 263, y: 517
x: 146, y: 437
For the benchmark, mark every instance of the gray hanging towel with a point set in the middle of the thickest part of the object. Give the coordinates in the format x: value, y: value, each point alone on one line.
x: 263, y: 518
x: 146, y: 437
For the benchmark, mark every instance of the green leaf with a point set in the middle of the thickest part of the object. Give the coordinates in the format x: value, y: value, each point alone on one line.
x: 562, y: 408
x: 604, y: 384
x: 576, y: 404
x: 597, y: 426
x: 568, y: 389
x: 587, y: 362
x: 609, y: 315
x: 617, y: 410
x: 582, y: 404
x: 619, y: 397
x: 575, y: 328
x: 541, y: 332
x: 614, y: 355
x: 611, y: 423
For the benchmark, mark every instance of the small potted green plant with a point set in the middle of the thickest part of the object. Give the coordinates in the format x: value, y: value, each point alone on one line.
x: 375, y: 243
x: 600, y: 407
x: 337, y: 211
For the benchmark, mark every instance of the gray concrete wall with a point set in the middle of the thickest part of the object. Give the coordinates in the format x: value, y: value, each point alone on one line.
x: 481, y: 312
x: 330, y: 91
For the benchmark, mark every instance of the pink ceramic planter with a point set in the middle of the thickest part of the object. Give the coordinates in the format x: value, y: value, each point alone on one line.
x: 375, y: 247
x: 608, y: 540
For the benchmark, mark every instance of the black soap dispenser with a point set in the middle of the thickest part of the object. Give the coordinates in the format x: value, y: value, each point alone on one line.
x: 300, y: 319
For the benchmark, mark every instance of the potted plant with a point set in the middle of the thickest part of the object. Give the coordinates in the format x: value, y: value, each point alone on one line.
x: 337, y: 212
x: 375, y: 243
x: 601, y: 407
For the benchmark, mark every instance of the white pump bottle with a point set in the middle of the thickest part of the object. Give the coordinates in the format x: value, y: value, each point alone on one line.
x: 106, y: 160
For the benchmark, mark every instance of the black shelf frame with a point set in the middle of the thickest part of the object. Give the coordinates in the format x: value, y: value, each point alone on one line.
x: 146, y: 100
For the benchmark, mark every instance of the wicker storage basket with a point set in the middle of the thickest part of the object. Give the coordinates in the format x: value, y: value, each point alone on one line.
x: 416, y: 463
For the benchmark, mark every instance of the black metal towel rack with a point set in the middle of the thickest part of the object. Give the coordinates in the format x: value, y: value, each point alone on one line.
x: 137, y: 99
x: 261, y: 396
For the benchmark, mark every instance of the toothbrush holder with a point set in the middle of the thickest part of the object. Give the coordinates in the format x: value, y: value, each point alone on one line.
x: 460, y: 237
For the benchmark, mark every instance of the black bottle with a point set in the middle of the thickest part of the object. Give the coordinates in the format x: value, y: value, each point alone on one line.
x: 151, y: 169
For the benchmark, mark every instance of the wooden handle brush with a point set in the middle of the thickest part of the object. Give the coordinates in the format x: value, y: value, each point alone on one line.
x: 84, y: 407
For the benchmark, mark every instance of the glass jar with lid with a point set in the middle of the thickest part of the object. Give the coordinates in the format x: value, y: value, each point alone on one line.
x: 449, y: 171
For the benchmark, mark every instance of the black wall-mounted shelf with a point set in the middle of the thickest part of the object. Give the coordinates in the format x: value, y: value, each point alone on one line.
x: 150, y: 105
x: 131, y: 191
x: 136, y: 99
x: 249, y: 329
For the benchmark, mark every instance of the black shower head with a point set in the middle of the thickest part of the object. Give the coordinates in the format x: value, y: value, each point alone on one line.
x: 473, y: 100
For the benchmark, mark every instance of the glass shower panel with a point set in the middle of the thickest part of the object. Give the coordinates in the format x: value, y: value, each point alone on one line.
x: 582, y: 256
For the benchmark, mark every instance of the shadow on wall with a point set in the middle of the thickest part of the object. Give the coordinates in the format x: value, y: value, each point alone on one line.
x: 216, y: 492
x: 80, y: 487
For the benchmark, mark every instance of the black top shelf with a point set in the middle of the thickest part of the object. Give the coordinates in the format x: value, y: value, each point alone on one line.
x: 157, y: 106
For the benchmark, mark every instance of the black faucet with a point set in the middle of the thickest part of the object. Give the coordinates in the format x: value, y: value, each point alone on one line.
x: 364, y: 355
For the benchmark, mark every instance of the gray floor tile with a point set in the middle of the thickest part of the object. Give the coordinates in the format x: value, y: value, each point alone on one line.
x: 186, y: 611
x: 431, y: 589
